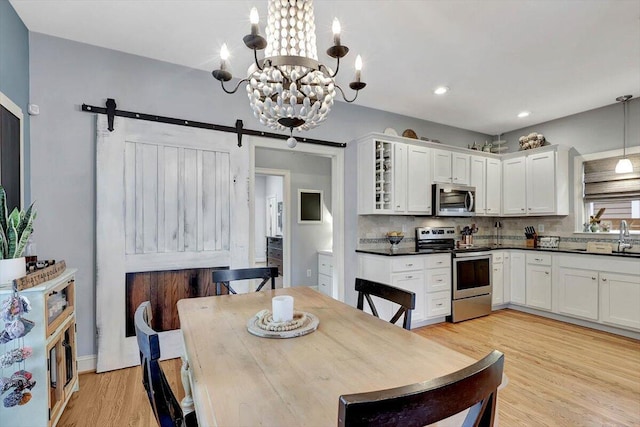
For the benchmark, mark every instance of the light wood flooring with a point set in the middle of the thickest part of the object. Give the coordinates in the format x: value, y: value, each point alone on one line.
x: 559, y: 375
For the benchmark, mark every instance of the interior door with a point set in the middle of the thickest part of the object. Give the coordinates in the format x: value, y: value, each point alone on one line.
x: 168, y: 198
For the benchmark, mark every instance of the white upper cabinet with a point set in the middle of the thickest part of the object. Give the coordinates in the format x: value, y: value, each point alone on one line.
x: 451, y: 167
x: 400, y: 177
x: 393, y: 178
x: 460, y: 168
x: 418, y: 180
x: 541, y: 181
x: 536, y: 182
x: 493, y: 181
x: 479, y: 181
x: 376, y: 167
x: 441, y: 166
x: 514, y: 196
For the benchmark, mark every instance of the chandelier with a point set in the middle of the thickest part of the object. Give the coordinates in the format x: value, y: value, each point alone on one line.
x: 289, y: 88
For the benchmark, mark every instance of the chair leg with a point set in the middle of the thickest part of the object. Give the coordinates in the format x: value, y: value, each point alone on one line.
x: 187, y: 402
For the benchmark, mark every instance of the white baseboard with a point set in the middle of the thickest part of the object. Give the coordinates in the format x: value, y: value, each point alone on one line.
x: 87, y: 363
x: 260, y: 259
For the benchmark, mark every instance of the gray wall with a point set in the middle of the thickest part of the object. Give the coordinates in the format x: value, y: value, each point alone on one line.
x: 590, y: 131
x: 64, y: 74
x: 308, y: 172
x: 14, y: 74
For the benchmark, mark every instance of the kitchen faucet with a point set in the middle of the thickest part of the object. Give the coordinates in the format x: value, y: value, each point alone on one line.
x: 624, y: 232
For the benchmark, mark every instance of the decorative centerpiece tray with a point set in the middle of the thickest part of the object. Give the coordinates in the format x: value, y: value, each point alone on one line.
x: 262, y: 325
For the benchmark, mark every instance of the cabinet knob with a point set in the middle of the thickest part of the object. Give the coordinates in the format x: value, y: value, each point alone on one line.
x: 522, y: 209
x: 439, y: 262
x: 593, y: 278
x: 439, y: 305
x: 546, y: 272
x: 604, y: 279
x: 409, y: 277
x: 409, y: 265
x: 529, y: 208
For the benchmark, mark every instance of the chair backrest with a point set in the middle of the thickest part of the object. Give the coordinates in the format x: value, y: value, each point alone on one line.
x: 474, y: 387
x: 406, y: 299
x: 225, y: 276
x: 163, y: 402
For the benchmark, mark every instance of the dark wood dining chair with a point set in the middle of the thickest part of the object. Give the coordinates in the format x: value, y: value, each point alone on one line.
x: 474, y: 387
x: 406, y: 299
x: 223, y: 277
x: 163, y: 402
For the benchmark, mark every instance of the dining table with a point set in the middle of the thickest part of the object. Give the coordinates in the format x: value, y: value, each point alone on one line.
x: 240, y: 379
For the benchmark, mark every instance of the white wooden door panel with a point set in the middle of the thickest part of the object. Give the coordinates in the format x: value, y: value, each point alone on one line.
x: 170, y: 209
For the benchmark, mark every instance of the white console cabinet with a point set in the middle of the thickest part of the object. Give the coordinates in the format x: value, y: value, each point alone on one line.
x: 53, y: 362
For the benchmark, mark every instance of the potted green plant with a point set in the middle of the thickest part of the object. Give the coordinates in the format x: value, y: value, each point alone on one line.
x: 15, y: 229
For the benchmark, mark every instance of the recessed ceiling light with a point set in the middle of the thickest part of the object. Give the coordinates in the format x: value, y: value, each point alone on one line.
x: 524, y: 114
x: 441, y: 90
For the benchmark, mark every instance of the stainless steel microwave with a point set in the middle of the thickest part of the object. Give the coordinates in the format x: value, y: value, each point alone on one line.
x: 453, y: 200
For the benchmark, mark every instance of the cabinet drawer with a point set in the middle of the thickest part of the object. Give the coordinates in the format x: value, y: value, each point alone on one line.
x: 498, y: 258
x: 273, y: 262
x: 274, y: 242
x: 274, y: 253
x: 439, y: 260
x: 324, y: 284
x: 539, y: 259
x: 439, y: 304
x: 439, y: 279
x: 409, y: 263
x: 325, y: 265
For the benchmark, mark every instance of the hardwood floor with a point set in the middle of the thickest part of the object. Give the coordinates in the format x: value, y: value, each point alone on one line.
x: 559, y: 375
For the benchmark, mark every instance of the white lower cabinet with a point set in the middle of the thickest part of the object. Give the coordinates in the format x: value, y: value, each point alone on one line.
x: 518, y: 278
x: 438, y: 273
x: 414, y: 282
x: 428, y: 276
x: 600, y: 289
x: 497, y: 290
x: 438, y: 303
x: 620, y: 299
x: 325, y: 273
x: 538, y: 281
x: 578, y: 293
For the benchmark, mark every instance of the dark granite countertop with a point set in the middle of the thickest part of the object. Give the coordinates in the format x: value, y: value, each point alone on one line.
x: 412, y: 251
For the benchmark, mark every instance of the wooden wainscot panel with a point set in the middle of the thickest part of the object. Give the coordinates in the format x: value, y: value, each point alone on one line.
x: 164, y: 289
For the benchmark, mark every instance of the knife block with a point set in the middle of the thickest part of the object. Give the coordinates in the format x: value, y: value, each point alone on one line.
x: 532, y: 243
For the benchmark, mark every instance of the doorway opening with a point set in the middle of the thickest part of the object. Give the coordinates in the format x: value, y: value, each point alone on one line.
x: 271, y: 201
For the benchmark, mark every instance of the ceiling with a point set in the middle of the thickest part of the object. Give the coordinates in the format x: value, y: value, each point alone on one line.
x: 499, y: 57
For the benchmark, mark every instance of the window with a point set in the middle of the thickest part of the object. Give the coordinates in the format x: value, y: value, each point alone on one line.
x: 616, y: 196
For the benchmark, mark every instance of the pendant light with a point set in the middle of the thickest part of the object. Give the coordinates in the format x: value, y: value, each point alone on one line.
x: 624, y: 165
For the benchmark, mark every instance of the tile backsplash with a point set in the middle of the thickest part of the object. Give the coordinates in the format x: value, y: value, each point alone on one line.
x: 372, y: 230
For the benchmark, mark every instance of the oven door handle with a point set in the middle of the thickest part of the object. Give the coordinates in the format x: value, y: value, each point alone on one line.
x: 468, y: 198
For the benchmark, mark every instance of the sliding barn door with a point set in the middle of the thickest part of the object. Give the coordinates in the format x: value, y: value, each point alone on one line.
x: 168, y: 198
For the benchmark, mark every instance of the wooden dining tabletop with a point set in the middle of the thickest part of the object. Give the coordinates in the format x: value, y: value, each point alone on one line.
x: 239, y: 379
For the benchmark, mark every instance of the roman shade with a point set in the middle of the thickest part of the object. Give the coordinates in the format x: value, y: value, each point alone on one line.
x: 602, y: 182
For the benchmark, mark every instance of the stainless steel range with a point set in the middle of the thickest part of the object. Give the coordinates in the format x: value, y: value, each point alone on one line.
x: 471, y: 286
